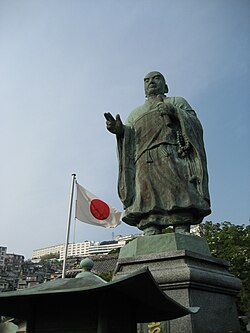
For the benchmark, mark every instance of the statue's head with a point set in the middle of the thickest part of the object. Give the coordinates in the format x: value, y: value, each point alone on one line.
x: 155, y: 84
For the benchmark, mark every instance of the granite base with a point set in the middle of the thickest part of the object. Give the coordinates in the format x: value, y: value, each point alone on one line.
x: 186, y: 271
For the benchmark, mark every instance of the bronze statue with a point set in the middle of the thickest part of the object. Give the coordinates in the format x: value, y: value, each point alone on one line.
x: 163, y: 178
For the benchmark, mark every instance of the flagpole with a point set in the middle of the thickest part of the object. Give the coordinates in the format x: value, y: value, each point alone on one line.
x: 68, y: 225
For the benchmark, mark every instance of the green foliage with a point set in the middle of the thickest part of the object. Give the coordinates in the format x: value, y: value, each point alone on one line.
x: 232, y: 243
x: 107, y: 276
x: 51, y: 256
x: 114, y: 251
x: 168, y: 230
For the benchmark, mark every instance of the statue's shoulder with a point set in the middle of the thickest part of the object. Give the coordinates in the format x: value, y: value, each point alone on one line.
x: 137, y: 112
x: 179, y: 102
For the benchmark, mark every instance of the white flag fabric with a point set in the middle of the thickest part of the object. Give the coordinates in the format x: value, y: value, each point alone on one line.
x: 90, y: 209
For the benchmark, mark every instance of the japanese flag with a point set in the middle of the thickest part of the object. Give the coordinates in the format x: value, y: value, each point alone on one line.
x: 92, y: 210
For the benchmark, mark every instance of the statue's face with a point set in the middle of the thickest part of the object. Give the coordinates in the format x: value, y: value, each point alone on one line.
x: 154, y: 84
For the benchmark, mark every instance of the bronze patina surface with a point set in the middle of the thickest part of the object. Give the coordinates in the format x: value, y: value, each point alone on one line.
x: 163, y: 178
x: 86, y: 296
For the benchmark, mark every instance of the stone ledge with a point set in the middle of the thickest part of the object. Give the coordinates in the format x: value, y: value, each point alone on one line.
x: 164, y: 243
x: 174, y: 254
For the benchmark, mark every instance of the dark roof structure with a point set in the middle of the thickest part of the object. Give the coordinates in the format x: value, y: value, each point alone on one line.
x: 137, y: 292
x: 102, y: 264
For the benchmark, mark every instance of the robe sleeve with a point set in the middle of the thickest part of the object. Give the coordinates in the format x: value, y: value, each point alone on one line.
x: 126, y: 166
x: 191, y: 128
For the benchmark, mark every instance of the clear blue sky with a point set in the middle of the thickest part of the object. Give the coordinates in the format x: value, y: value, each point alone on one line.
x: 63, y: 63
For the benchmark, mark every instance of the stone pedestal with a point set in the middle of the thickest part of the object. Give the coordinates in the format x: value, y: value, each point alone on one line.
x: 186, y: 271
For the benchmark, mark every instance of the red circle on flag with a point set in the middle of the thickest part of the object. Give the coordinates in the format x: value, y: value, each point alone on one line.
x: 99, y: 209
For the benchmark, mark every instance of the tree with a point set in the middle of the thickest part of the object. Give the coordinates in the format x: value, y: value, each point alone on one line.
x: 232, y: 243
x: 51, y: 256
x: 107, y: 276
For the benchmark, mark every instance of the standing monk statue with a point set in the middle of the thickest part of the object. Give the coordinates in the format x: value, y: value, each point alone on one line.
x: 163, y: 179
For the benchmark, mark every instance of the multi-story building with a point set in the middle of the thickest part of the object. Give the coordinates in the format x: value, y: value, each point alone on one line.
x: 13, y: 263
x: 83, y: 249
x: 3, y: 250
x: 77, y: 249
x: 55, y: 249
x: 4, y: 284
x: 15, y: 273
x: 10, y: 268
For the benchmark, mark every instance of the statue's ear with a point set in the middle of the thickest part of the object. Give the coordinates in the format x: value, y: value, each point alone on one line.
x: 166, y: 88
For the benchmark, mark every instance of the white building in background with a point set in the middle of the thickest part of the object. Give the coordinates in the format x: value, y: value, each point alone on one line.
x: 83, y: 249
x: 55, y: 249
x: 194, y: 230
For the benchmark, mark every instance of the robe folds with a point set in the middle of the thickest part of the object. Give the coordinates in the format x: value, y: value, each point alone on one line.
x: 162, y: 177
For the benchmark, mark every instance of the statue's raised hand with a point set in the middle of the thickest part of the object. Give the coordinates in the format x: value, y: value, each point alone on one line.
x: 114, y: 125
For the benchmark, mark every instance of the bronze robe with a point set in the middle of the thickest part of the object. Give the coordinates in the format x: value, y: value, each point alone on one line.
x: 163, y: 176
